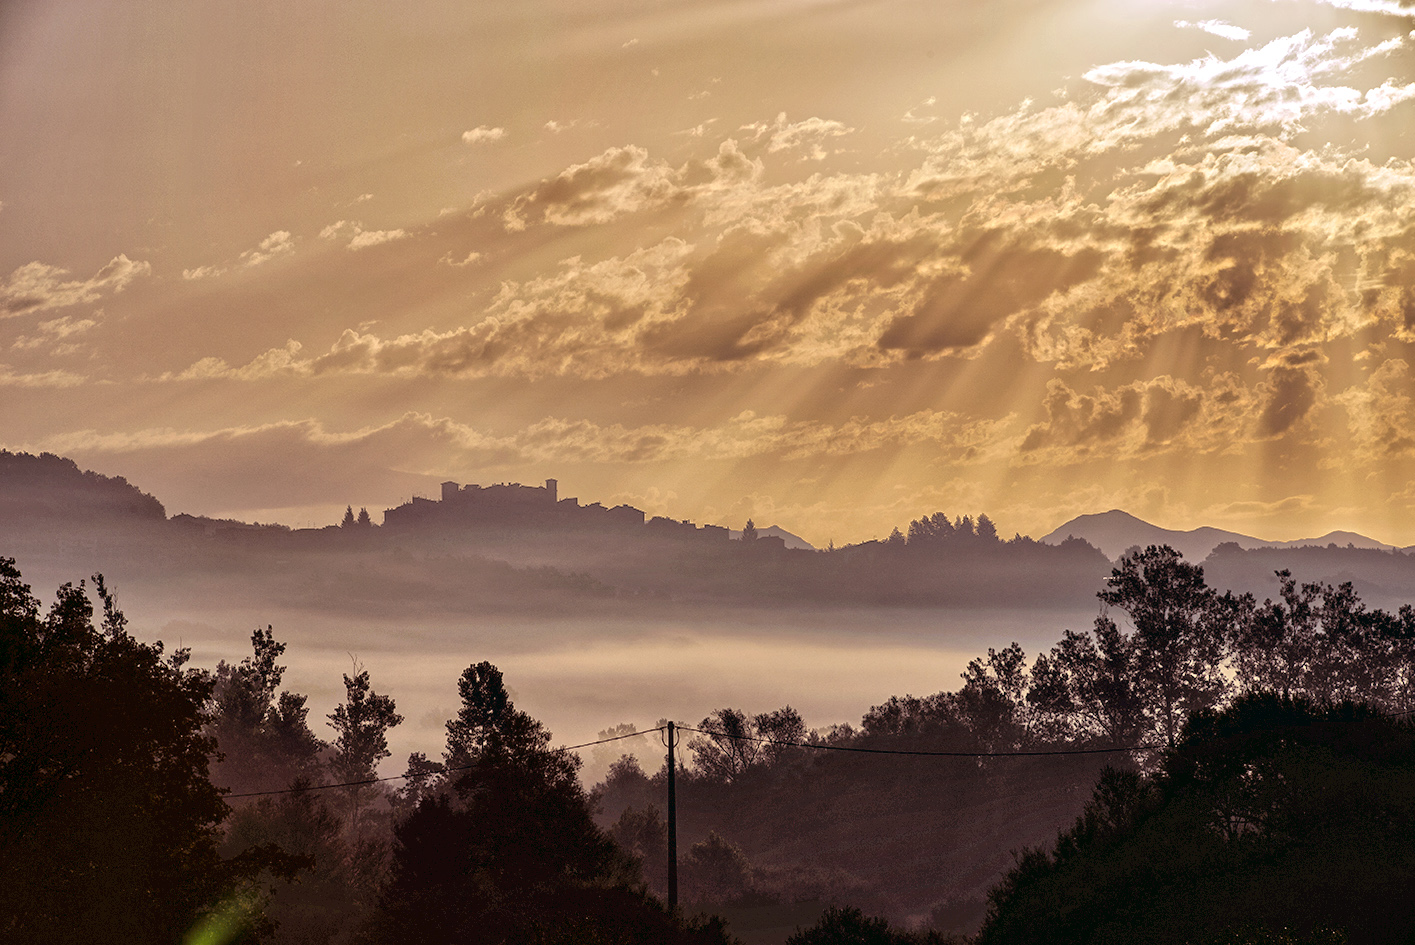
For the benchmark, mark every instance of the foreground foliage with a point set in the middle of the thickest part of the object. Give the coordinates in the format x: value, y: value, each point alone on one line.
x: 1274, y: 820
x: 108, y: 823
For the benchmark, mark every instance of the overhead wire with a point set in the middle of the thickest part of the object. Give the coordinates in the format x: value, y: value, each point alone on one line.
x: 812, y: 746
x: 905, y: 751
x: 430, y: 773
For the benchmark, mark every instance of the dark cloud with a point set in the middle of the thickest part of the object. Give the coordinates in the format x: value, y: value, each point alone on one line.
x: 1163, y: 410
x: 1291, y: 394
x: 1168, y: 410
x: 1004, y: 277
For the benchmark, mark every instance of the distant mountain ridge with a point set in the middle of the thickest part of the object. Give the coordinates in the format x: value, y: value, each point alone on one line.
x: 775, y: 531
x: 46, y: 486
x: 1116, y: 531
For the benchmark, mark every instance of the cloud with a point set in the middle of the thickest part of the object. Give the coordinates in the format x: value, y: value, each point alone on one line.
x: 463, y: 262
x: 363, y: 239
x: 1000, y: 275
x: 1163, y: 202
x: 581, y: 321
x: 432, y: 448
x: 1388, y: 7
x: 621, y: 180
x: 1275, y: 89
x: 809, y: 135
x: 1135, y: 419
x: 271, y: 363
x: 1275, y: 86
x: 55, y: 331
x: 37, y: 287
x: 360, y: 238
x: 483, y: 134
x: 1217, y: 28
x: 748, y: 435
x: 624, y: 180
x: 1284, y: 508
x: 9, y: 377
x: 276, y: 244
x: 1380, y: 413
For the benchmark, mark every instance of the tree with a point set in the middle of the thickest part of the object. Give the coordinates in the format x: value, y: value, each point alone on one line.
x: 642, y: 833
x: 364, y: 521
x: 749, y: 532
x: 1180, y: 629
x: 420, y: 779
x: 264, y: 741
x: 993, y: 698
x: 108, y: 821
x: 736, y: 741
x: 987, y: 531
x: 348, y: 521
x: 331, y: 898
x: 716, y: 872
x: 1086, y: 689
x: 1274, y: 820
x: 487, y: 720
x: 846, y: 925
x: 508, y: 852
x: 362, y: 721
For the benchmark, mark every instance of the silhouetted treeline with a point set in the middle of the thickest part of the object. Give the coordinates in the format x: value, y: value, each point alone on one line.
x: 111, y: 828
x: 47, y: 486
x: 887, y: 832
x: 1259, y: 747
x: 1274, y: 820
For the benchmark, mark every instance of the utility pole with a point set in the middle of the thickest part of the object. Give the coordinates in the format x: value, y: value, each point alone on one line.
x: 672, y: 827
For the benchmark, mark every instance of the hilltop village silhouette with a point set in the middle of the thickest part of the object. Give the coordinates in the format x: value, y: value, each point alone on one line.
x: 513, y: 505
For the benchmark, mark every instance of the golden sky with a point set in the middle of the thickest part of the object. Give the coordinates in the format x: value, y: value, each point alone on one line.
x: 832, y: 264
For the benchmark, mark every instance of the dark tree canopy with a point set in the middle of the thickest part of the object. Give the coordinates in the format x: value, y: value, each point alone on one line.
x: 507, y: 851
x: 1180, y: 633
x: 108, y: 823
x: 1270, y: 821
x: 263, y: 738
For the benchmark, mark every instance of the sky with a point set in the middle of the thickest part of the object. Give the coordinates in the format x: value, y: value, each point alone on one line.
x: 829, y: 264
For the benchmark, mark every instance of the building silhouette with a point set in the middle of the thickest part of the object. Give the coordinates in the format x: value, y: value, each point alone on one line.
x: 511, y: 505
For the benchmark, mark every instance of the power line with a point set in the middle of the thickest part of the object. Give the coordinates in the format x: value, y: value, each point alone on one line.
x: 752, y: 738
x: 932, y: 754
x: 399, y: 777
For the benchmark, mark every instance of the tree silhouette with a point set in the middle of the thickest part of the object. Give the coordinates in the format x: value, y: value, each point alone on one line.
x: 487, y: 720
x: 737, y: 741
x: 508, y: 851
x: 1180, y: 626
x: 1086, y: 688
x: 108, y: 822
x: 364, y: 521
x: 1270, y: 821
x: 642, y: 833
x: 850, y: 926
x: 264, y: 740
x: 362, y: 721
x: 987, y: 531
x: 749, y: 531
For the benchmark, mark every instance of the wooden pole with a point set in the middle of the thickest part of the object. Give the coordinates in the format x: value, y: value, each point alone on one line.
x: 672, y: 827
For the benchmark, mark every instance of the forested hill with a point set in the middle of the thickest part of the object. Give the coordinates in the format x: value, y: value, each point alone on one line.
x: 45, y: 487
x: 63, y: 520
x: 60, y: 520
